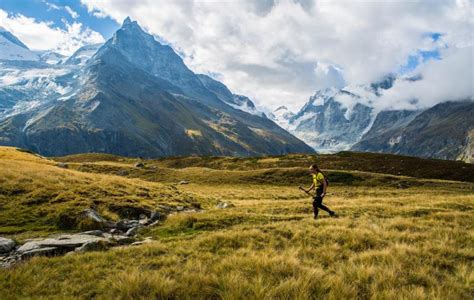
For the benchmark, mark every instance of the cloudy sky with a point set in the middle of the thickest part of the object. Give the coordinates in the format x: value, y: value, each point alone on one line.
x: 280, y: 52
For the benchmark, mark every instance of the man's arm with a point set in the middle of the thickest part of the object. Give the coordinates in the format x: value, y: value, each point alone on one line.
x: 325, y: 186
x: 310, y: 188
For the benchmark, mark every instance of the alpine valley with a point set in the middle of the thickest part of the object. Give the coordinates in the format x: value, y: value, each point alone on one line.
x: 131, y: 96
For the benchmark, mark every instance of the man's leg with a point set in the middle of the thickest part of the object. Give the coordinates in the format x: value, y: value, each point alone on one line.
x: 325, y: 208
x: 316, y: 203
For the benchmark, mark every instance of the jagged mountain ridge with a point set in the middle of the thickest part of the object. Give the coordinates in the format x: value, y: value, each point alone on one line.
x: 134, y: 103
x: 346, y: 119
x: 441, y: 131
x: 327, y: 123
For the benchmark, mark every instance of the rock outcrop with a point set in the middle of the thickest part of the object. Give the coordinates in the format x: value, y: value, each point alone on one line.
x: 120, y: 233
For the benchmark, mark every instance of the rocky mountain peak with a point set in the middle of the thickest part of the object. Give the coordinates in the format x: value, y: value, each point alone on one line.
x: 126, y: 21
x: 281, y: 108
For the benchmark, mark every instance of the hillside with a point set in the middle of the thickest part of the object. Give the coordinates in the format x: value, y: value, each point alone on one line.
x: 395, y: 237
x: 37, y: 195
x: 439, y: 132
x: 388, y: 164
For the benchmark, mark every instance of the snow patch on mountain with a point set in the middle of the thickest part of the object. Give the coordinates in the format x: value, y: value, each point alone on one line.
x: 82, y: 55
x: 13, y: 51
x: 281, y: 116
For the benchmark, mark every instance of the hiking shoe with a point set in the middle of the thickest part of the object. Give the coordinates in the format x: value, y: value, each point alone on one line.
x: 333, y: 214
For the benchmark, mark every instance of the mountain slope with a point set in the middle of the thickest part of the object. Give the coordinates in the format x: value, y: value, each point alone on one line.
x: 224, y: 94
x: 438, y: 132
x: 334, y: 119
x: 135, y: 97
x: 11, y: 48
x: 327, y: 124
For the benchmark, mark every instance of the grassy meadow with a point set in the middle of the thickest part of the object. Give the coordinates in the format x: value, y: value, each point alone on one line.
x: 404, y: 231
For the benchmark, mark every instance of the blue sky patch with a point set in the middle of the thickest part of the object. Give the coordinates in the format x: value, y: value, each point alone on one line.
x: 55, y: 11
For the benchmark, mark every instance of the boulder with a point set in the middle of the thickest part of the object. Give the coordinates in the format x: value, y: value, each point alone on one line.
x: 92, y: 246
x: 179, y: 208
x: 125, y: 224
x: 223, y: 205
x: 155, y: 216
x: 115, y: 231
x: 61, y: 241
x: 139, y: 165
x: 123, y: 240
x: 39, y: 251
x: 6, y: 245
x: 62, y: 165
x: 94, y: 232
x: 93, y: 215
x: 132, y: 231
x: 144, y: 222
x: 183, y: 182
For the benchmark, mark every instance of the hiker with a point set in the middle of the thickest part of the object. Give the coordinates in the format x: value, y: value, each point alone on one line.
x: 320, y: 185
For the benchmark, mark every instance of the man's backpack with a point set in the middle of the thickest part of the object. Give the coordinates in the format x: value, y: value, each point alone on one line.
x: 325, y: 178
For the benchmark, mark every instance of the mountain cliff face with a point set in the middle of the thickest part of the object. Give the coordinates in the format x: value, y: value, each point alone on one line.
x: 442, y: 131
x: 347, y: 119
x: 225, y: 95
x: 133, y: 97
x: 326, y: 123
x: 467, y: 154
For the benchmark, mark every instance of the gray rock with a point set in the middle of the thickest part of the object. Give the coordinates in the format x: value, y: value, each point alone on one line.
x: 62, y: 165
x: 123, y: 240
x: 28, y: 246
x: 93, y: 215
x: 62, y: 241
x: 179, y: 208
x: 125, y: 224
x: 139, y: 165
x: 144, y: 222
x: 132, y: 231
x: 115, y: 231
x: 183, y: 182
x: 94, y: 232
x: 145, y: 241
x: 154, y: 223
x: 39, y: 251
x: 6, y: 245
x: 223, y: 205
x: 155, y: 216
x: 92, y: 246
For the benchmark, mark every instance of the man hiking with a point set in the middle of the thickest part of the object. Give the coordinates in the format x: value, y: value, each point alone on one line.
x: 320, y: 185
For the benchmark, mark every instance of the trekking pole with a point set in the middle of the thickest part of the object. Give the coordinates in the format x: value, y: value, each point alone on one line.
x: 301, y: 188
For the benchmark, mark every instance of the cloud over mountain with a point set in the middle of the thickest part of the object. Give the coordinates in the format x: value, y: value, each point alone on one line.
x: 41, y: 35
x: 282, y: 51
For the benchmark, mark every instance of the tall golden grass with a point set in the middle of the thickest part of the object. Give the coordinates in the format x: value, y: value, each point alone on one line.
x: 387, y: 243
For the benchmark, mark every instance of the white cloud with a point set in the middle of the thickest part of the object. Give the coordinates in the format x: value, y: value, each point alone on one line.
x: 38, y: 35
x: 68, y: 9
x: 52, y: 6
x: 278, y: 52
x: 71, y: 12
x: 448, y: 79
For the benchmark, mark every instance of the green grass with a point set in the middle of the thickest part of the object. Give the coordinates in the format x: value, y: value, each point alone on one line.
x: 343, y: 161
x: 388, y: 243
x: 36, y: 195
